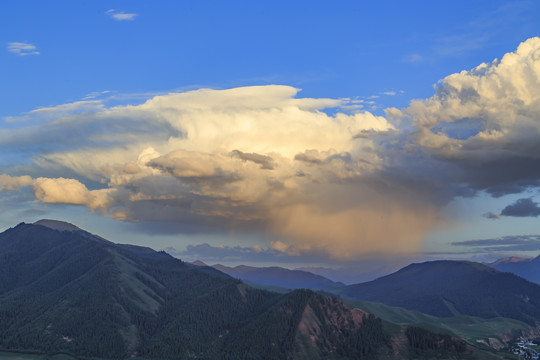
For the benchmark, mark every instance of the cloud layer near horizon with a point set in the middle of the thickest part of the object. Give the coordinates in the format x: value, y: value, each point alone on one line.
x: 261, y: 159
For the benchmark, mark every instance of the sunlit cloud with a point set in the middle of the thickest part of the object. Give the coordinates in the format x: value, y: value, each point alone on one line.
x: 22, y: 49
x: 263, y: 159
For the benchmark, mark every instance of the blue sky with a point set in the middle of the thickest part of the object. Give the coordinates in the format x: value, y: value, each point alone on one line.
x: 104, y: 124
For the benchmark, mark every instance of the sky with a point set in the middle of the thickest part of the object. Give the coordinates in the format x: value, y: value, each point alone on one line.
x: 306, y: 133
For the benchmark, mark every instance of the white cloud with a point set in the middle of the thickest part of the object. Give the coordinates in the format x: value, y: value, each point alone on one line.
x: 413, y: 58
x: 70, y: 191
x: 261, y: 158
x: 216, y: 158
x: 121, y: 15
x: 486, y: 120
x: 14, y: 182
x: 22, y: 49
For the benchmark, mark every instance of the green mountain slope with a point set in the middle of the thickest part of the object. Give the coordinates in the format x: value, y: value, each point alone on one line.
x: 66, y: 291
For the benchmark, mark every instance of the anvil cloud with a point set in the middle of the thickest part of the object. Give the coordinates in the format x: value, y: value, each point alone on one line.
x: 310, y: 173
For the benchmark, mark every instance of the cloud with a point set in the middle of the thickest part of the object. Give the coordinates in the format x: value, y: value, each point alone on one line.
x: 70, y: 191
x: 413, y: 58
x: 213, y: 160
x: 483, y: 123
x: 262, y: 159
x: 121, y: 15
x: 522, y: 208
x: 14, y: 182
x: 491, y: 215
x: 22, y: 49
x: 212, y: 254
x: 504, y: 243
x: 266, y: 162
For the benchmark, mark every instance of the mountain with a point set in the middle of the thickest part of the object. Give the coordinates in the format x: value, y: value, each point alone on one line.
x: 360, y: 271
x: 64, y: 290
x: 450, y: 288
x: 525, y: 267
x: 279, y: 277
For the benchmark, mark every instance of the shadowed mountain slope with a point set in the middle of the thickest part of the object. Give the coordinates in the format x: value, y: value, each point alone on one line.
x: 449, y: 288
x: 526, y: 268
x: 64, y: 290
x: 281, y: 277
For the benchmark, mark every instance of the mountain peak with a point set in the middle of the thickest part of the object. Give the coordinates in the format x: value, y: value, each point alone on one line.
x: 199, y: 263
x: 510, y: 259
x: 57, y: 225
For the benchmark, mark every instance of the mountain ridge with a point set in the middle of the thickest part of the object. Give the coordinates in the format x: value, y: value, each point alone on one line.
x: 279, y: 277
x: 527, y: 268
x: 447, y: 288
x: 64, y: 292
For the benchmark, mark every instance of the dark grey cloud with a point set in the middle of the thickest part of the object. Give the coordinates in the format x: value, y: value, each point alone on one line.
x: 266, y: 162
x: 522, y: 208
x: 308, y: 158
x: 368, y: 134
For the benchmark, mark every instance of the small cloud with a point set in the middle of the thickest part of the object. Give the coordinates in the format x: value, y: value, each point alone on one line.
x: 413, y: 58
x: 491, y: 215
x: 390, y: 93
x: 96, y: 94
x: 22, y: 49
x: 120, y: 15
x: 522, y: 208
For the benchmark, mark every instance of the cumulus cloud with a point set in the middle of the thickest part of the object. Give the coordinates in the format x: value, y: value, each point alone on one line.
x: 211, y: 160
x: 484, y: 123
x: 22, y: 49
x: 345, y: 182
x: 522, y: 208
x: 14, y: 182
x: 119, y: 15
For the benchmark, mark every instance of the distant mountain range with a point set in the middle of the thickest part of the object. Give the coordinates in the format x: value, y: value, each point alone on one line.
x: 452, y: 288
x: 64, y: 290
x: 527, y: 268
x: 279, y: 277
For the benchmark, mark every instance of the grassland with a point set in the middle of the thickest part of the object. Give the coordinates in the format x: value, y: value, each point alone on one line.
x: 469, y: 328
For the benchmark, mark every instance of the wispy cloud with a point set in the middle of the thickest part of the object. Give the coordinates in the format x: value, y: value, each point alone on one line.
x: 96, y: 94
x: 504, y: 243
x: 413, y: 58
x: 22, y: 49
x: 491, y: 215
x: 121, y: 15
x: 212, y: 254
